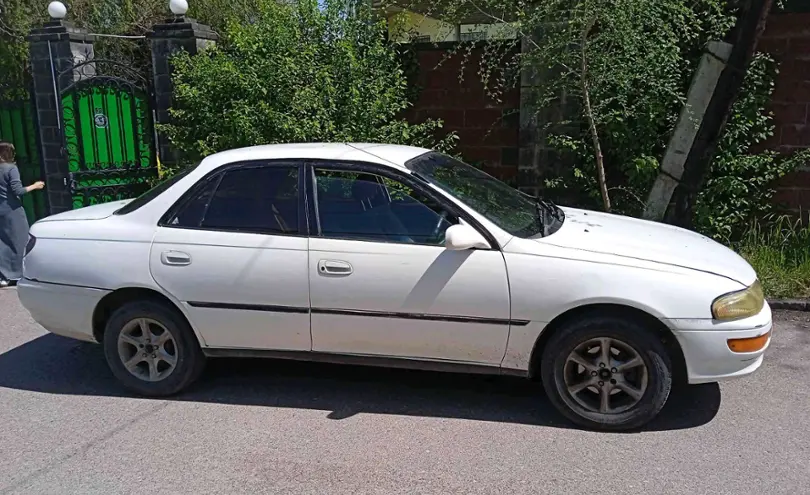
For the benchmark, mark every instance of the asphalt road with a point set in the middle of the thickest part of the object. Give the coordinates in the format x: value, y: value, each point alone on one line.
x: 276, y: 427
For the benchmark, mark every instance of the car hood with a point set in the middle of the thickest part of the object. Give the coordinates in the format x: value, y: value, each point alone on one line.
x: 95, y: 212
x: 629, y: 237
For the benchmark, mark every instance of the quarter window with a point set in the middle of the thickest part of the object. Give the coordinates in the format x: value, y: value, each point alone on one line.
x: 256, y: 199
x: 362, y: 206
x: 153, y: 193
x: 191, y: 215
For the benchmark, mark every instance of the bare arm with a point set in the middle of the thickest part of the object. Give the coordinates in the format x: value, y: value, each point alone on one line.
x: 35, y: 186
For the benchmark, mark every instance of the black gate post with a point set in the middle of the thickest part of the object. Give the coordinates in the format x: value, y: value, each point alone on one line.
x: 55, y: 48
x: 179, y: 33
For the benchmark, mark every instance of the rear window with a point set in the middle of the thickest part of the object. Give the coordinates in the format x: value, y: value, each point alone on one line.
x: 154, y: 192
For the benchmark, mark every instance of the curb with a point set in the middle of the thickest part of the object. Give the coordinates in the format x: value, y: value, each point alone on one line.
x: 790, y: 304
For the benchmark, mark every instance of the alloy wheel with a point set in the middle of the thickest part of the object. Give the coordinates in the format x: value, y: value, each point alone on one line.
x: 605, y: 375
x: 147, y: 349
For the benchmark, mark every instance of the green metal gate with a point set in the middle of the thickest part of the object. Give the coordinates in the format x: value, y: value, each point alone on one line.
x: 17, y: 127
x: 109, y: 133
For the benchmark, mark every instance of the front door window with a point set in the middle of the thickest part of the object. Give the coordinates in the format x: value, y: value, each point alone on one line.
x: 363, y: 206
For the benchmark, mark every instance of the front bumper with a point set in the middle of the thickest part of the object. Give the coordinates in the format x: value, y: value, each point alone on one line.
x: 61, y: 309
x: 704, y: 343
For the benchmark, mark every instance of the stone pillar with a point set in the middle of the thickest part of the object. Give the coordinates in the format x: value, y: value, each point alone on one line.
x: 55, y: 48
x: 180, y: 33
x: 530, y: 136
x: 537, y: 160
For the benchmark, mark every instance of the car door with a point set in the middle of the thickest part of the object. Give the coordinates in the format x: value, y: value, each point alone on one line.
x: 234, y: 252
x: 382, y: 282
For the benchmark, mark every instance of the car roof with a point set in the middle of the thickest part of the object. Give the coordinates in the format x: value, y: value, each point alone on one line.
x: 392, y: 155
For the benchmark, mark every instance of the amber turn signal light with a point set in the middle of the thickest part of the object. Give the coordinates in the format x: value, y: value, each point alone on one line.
x: 752, y: 344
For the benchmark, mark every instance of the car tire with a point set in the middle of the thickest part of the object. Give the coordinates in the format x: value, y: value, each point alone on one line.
x: 161, y: 365
x: 636, y: 380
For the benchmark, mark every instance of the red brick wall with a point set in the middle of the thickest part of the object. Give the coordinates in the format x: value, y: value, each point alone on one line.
x: 787, y: 38
x: 487, y: 129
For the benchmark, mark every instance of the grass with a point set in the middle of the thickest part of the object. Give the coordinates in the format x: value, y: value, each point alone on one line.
x: 780, y: 253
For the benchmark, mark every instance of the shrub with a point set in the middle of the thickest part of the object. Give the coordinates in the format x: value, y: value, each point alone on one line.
x: 740, y: 188
x: 297, y: 73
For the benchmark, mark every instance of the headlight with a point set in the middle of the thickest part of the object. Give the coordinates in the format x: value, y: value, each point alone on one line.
x: 741, y: 304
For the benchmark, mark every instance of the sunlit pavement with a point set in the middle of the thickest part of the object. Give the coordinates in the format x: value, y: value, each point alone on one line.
x: 279, y: 427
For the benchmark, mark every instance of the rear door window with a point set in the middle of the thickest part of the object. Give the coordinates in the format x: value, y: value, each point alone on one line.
x: 262, y: 199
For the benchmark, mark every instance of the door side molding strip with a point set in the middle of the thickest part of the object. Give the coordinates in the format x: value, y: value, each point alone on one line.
x: 360, y: 312
x: 250, y: 307
x: 420, y: 316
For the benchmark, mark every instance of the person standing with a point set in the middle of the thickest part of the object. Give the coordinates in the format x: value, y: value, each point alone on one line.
x: 13, y: 222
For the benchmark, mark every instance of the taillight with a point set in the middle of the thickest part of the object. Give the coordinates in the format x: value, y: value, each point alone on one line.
x: 32, y: 241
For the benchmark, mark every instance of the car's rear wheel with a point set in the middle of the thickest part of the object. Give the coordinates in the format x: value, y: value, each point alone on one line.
x: 151, y: 349
x: 607, y: 373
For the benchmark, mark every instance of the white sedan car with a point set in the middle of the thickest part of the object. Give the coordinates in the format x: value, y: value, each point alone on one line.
x: 394, y: 256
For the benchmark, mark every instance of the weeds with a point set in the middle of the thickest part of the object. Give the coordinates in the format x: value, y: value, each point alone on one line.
x: 779, y: 251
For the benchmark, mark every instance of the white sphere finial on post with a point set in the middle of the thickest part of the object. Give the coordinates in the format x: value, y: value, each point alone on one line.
x: 178, y: 7
x: 57, y: 10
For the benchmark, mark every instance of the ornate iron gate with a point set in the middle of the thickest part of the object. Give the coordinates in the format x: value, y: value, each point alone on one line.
x: 108, y: 127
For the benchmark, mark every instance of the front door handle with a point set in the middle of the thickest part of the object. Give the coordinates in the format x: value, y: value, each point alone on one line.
x: 175, y: 258
x: 333, y: 267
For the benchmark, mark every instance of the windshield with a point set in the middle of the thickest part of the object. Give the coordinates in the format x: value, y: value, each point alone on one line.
x: 513, y: 211
x: 154, y: 192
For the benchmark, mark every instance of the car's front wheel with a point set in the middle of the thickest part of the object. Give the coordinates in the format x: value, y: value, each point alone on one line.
x: 151, y: 349
x: 607, y: 373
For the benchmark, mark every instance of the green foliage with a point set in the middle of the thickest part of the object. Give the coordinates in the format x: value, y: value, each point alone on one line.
x: 298, y: 73
x: 780, y: 253
x: 640, y: 56
x: 740, y: 187
x: 15, y: 19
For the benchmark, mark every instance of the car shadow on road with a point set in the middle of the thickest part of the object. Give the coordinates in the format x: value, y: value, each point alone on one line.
x: 56, y: 365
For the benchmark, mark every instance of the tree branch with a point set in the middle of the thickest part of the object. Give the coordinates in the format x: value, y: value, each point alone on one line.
x: 589, y: 116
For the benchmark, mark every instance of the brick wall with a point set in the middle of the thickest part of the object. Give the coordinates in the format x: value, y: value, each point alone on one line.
x: 787, y: 38
x: 487, y: 129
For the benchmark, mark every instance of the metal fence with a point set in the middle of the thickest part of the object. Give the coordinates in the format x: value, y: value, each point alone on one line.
x: 18, y: 126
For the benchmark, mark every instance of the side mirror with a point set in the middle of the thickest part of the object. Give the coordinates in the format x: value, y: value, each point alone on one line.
x: 461, y: 237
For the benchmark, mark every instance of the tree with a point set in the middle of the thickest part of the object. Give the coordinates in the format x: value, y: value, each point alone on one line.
x: 298, y: 73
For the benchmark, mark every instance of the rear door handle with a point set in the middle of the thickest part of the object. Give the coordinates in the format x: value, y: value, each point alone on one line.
x: 333, y: 267
x: 175, y: 258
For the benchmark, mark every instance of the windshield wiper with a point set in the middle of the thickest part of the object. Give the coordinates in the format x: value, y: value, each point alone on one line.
x: 553, y: 209
x: 545, y: 209
x: 542, y: 223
